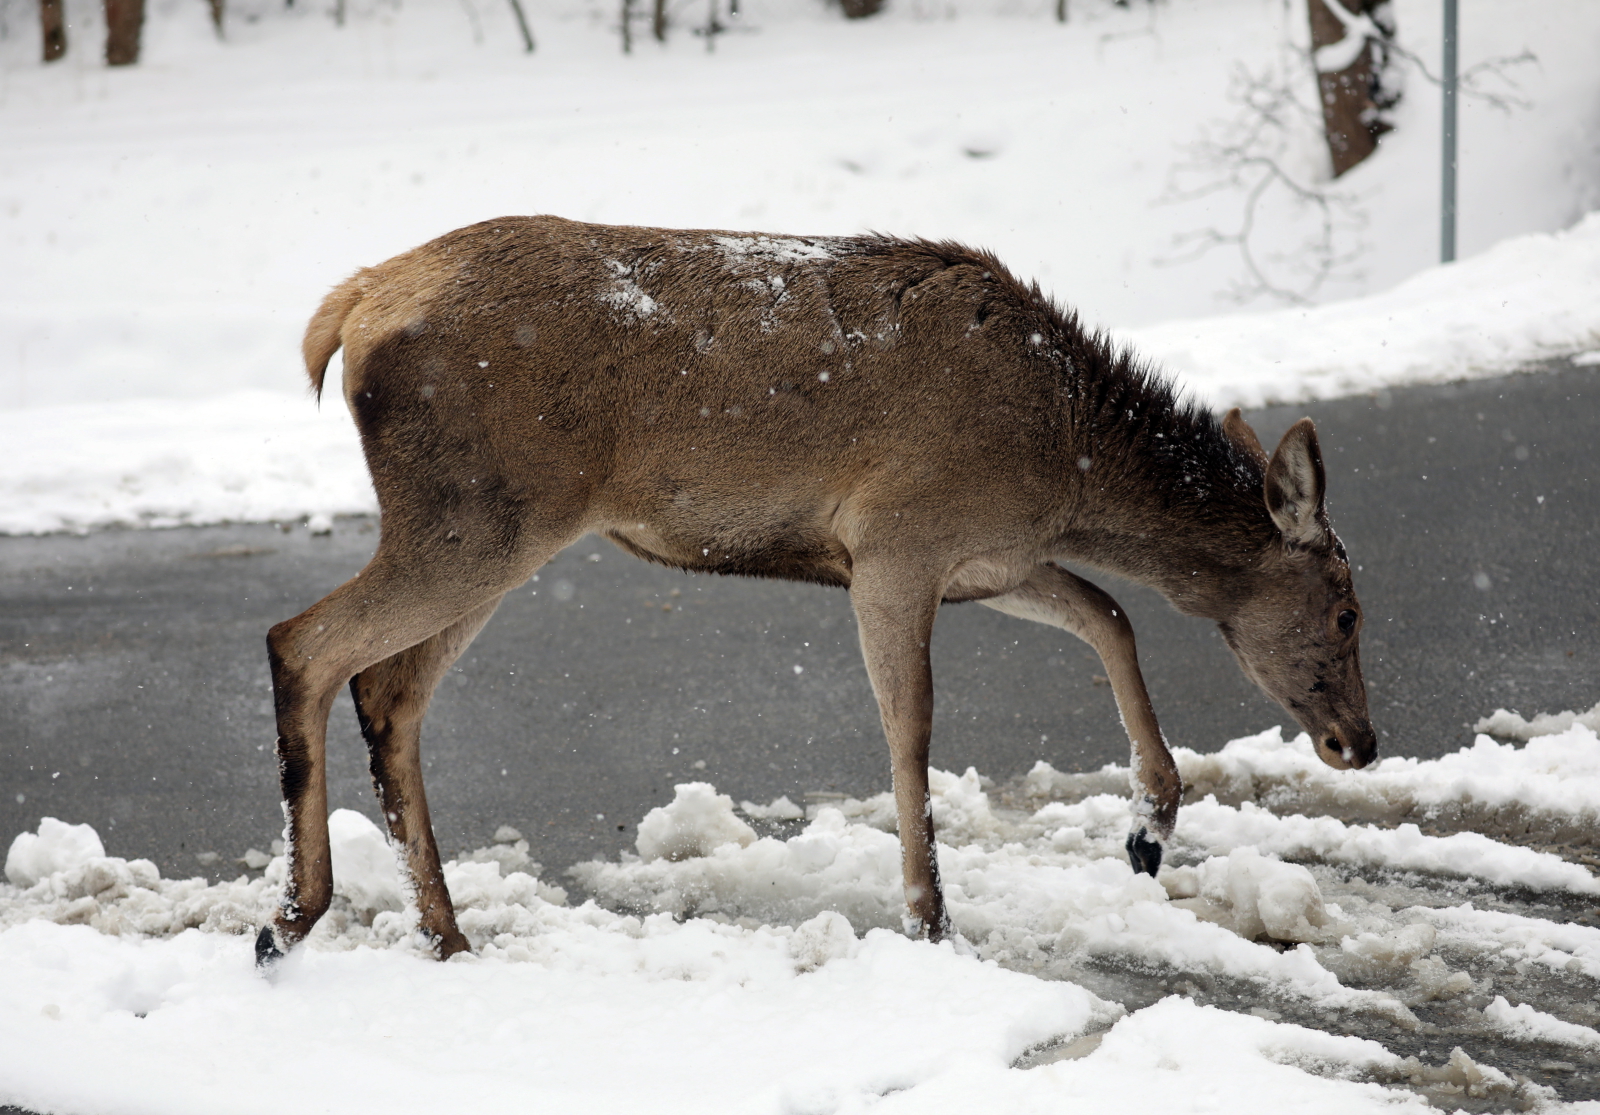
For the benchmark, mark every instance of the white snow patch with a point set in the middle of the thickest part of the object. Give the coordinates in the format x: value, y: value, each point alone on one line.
x: 1254, y: 896
x: 1525, y: 1023
x: 1529, y: 298
x: 248, y: 456
x: 1258, y: 790
x: 697, y: 822
x: 1206, y: 824
x: 57, y: 846
x: 779, y: 809
x: 1558, y: 946
x: 1510, y: 725
x: 364, y: 867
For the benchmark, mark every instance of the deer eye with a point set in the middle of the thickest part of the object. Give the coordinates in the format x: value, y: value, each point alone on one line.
x: 1347, y: 621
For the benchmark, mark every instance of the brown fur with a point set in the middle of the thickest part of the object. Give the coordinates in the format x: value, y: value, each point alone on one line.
x: 901, y: 418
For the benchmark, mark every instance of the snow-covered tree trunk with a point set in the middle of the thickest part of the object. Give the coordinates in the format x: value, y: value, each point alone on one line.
x: 53, y: 24
x: 1357, y: 77
x: 124, y: 22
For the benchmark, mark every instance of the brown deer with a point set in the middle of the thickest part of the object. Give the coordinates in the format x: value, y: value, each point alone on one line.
x: 901, y: 418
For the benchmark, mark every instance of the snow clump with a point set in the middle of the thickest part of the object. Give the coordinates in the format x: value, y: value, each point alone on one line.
x: 57, y: 846
x: 696, y: 823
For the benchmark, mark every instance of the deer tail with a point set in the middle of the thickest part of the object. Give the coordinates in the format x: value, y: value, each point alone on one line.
x: 324, y: 332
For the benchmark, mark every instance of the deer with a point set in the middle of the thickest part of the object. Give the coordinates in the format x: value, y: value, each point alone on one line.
x: 902, y: 418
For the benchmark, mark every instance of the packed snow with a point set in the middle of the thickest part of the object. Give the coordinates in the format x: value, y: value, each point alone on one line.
x: 168, y: 228
x: 751, y: 957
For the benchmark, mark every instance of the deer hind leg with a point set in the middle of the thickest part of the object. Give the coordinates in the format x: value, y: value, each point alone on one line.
x: 391, y: 698
x: 1054, y: 596
x: 405, y: 595
x: 895, y: 615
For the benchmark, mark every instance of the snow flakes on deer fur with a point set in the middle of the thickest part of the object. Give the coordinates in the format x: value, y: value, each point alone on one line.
x: 697, y: 821
x: 625, y: 293
x: 782, y: 249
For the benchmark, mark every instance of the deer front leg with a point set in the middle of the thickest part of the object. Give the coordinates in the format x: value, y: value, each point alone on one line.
x: 895, y: 616
x: 1053, y: 595
x: 391, y: 698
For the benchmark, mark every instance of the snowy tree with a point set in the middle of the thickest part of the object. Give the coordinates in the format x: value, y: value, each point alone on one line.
x: 1352, y: 44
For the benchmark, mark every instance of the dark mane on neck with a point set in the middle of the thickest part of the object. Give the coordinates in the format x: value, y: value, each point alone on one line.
x: 1138, y: 422
x: 1149, y: 443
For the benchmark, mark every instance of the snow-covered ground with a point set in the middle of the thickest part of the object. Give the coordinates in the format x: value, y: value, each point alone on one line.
x: 730, y: 969
x: 167, y: 229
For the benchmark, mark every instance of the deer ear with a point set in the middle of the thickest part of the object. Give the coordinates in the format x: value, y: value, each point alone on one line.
x: 1295, y: 486
x: 1238, y: 431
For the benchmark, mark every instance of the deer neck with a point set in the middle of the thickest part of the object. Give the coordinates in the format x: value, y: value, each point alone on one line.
x: 1162, y: 497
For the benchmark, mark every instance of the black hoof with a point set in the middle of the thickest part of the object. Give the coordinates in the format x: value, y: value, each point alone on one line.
x: 1144, y: 853
x: 267, y: 951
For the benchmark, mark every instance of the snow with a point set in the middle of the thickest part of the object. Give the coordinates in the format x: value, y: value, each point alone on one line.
x: 168, y: 228
x: 56, y: 847
x: 1508, y: 725
x: 695, y: 823
x: 1526, y: 299
x: 1524, y: 1023
x: 738, y: 971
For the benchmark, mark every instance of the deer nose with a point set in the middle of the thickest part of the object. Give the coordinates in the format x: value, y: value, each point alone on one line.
x: 1348, y: 746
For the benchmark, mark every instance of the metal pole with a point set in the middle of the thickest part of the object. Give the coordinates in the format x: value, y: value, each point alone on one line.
x: 1447, y: 208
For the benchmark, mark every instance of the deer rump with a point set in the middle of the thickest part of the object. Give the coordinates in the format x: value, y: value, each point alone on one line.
x: 901, y: 418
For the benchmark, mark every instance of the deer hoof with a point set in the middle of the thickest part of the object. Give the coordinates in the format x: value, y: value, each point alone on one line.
x: 446, y: 945
x: 1143, y: 852
x: 267, y: 951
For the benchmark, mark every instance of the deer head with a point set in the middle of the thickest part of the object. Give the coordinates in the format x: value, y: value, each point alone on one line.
x: 1296, y: 625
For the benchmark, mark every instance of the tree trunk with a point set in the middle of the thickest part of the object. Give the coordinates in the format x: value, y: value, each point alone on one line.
x: 860, y: 9
x: 218, y: 11
x: 52, y: 22
x: 124, y: 21
x: 1358, y: 86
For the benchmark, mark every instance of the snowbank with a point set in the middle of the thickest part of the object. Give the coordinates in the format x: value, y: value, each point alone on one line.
x: 730, y: 971
x: 1523, y: 300
x: 248, y: 456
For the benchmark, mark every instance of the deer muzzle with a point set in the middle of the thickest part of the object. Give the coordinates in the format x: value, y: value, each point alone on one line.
x: 1348, y: 746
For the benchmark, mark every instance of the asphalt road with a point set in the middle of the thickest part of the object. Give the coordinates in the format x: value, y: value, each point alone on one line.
x: 134, y: 692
